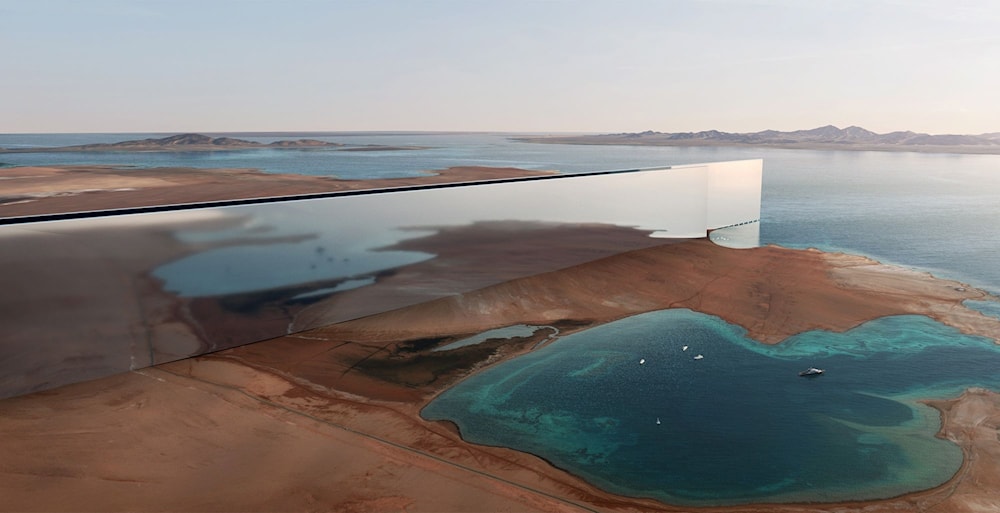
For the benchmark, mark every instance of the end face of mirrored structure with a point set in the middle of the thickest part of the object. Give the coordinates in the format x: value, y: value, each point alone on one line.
x: 90, y: 297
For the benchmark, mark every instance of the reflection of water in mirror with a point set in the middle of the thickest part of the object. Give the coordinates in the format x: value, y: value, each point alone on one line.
x: 295, y: 248
x: 351, y: 237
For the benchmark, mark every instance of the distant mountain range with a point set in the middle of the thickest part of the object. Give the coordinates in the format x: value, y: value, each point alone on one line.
x: 199, y: 142
x: 825, y: 137
x: 825, y: 134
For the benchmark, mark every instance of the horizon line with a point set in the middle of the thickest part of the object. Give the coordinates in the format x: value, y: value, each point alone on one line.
x: 265, y: 133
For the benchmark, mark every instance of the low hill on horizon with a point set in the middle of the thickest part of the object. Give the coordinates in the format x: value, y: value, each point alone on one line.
x: 199, y: 142
x: 828, y: 134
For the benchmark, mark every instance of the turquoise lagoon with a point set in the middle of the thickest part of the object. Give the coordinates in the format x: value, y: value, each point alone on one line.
x: 738, y: 425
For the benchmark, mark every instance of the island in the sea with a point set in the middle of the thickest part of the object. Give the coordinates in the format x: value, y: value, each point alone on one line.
x: 822, y: 138
x: 199, y: 142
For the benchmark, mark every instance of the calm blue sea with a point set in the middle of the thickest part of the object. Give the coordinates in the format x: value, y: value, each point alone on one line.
x: 738, y: 425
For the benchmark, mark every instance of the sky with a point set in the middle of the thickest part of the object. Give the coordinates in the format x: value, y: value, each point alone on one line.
x: 488, y: 65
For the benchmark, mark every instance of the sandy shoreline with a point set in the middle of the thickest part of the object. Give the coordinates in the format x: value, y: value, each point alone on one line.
x: 328, y: 419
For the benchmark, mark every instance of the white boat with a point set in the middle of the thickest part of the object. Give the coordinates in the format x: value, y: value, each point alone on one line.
x: 642, y: 361
x: 685, y: 348
x: 699, y: 357
x: 811, y: 371
x: 657, y: 421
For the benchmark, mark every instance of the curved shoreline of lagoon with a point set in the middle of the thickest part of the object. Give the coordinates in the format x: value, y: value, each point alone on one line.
x: 748, y: 446
x: 877, y: 279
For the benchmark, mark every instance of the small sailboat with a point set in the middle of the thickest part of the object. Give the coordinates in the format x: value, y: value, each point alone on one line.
x: 657, y: 421
x: 685, y: 348
x: 699, y: 357
x: 642, y: 361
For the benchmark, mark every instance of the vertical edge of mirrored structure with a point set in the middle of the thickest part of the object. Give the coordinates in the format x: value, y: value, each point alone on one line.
x: 734, y: 198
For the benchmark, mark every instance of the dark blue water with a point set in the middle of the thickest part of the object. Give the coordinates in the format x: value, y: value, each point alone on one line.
x: 739, y: 425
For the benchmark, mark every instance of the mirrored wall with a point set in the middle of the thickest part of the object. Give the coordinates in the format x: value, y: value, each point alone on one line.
x: 89, y: 297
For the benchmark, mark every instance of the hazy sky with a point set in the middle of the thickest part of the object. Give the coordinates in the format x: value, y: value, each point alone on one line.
x: 499, y: 65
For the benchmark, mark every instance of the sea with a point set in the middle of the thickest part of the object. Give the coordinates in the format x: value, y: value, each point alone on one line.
x: 737, y: 425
